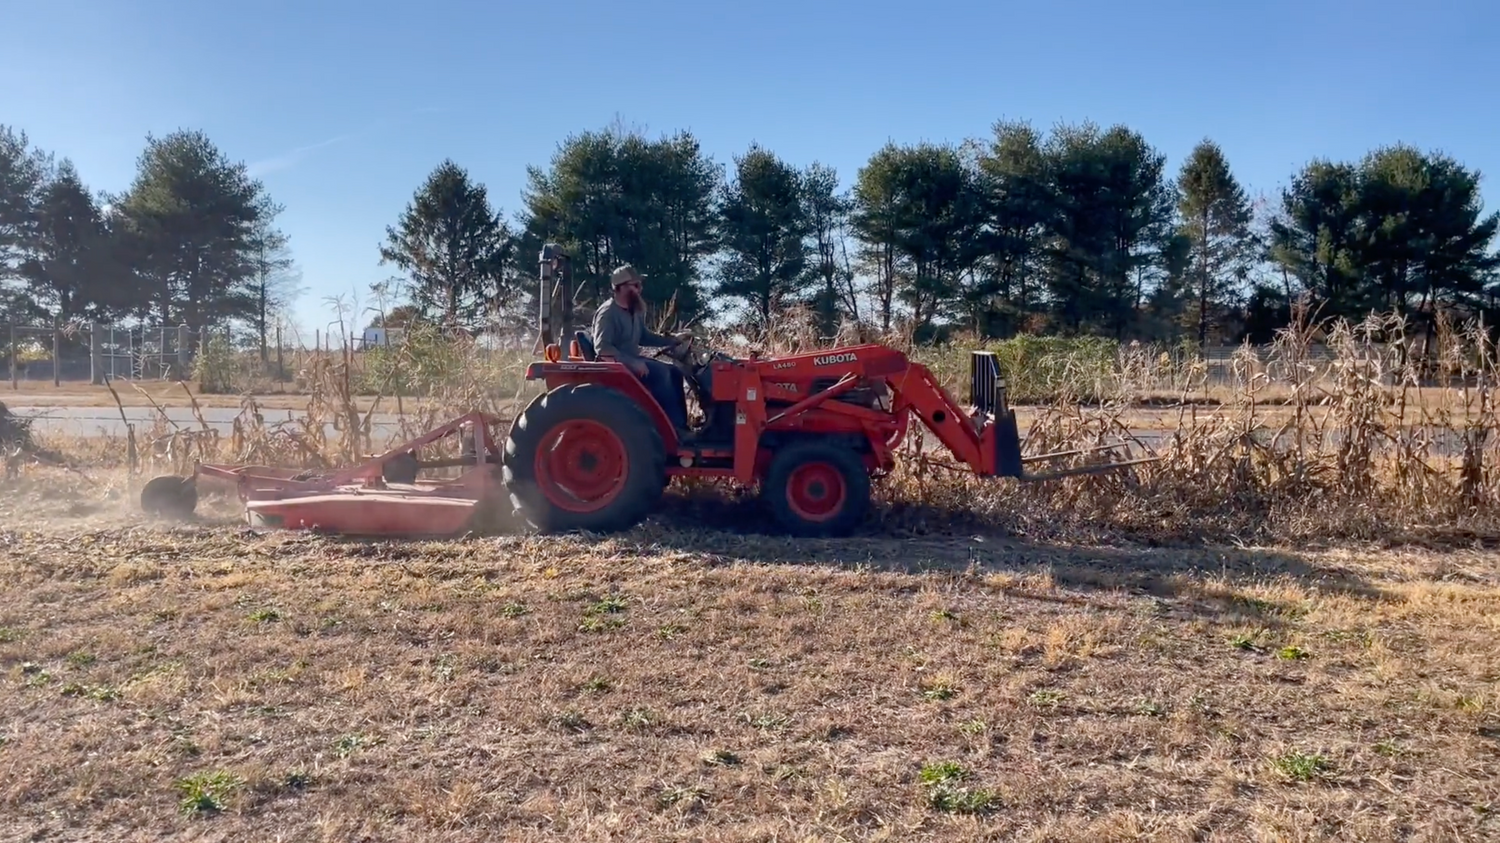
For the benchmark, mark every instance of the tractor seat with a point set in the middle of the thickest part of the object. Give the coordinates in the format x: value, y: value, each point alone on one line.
x: 585, y: 346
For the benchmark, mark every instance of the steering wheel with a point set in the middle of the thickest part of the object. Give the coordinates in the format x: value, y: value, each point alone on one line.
x: 684, y: 356
x: 692, y: 360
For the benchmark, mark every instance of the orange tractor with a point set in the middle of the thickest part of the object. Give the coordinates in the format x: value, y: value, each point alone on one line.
x: 595, y: 451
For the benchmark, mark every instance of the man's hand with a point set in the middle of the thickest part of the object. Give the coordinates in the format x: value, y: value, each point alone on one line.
x: 639, y: 367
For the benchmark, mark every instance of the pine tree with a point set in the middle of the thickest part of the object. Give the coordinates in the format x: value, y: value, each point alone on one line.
x: 69, y: 266
x: 763, y: 230
x: 876, y: 219
x: 1216, y: 220
x: 827, y: 219
x: 188, y: 227
x: 612, y: 197
x: 1020, y: 206
x: 453, y: 247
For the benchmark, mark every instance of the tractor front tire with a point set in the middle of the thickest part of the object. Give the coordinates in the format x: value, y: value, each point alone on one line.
x: 817, y: 490
x: 583, y: 457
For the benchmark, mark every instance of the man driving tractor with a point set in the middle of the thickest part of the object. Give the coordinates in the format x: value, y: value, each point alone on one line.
x: 619, y: 334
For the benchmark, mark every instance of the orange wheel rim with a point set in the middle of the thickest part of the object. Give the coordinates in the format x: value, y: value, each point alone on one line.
x: 581, y: 465
x: 816, y: 491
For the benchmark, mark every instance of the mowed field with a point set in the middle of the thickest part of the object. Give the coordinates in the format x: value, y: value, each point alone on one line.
x: 197, y: 681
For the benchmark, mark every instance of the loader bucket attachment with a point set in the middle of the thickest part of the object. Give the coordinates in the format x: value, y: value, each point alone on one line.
x: 987, y: 394
x: 1099, y: 468
x: 1008, y: 460
x: 986, y: 386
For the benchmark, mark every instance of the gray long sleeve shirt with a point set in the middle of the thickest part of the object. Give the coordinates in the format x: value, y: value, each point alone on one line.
x: 620, y: 334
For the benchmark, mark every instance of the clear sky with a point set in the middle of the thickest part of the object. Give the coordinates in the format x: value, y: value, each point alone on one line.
x: 343, y: 107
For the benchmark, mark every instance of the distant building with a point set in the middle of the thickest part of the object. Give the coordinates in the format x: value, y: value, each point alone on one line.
x: 381, y: 337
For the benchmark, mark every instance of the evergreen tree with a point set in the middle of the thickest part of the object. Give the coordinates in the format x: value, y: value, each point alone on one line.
x: 827, y: 219
x: 763, y: 230
x: 453, y: 248
x: 1314, y: 237
x: 919, y: 212
x: 876, y: 219
x: 1020, y: 207
x: 942, y: 215
x: 1216, y: 222
x: 612, y: 197
x: 1112, y: 226
x: 22, y: 174
x: 69, y: 265
x: 1422, y: 241
x: 1399, y: 229
x: 188, y: 223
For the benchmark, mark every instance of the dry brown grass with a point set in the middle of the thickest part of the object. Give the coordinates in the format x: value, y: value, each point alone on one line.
x: 1249, y: 640
x: 166, y: 393
x: 674, y: 683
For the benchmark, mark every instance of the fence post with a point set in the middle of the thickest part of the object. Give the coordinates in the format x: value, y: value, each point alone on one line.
x: 13, y: 384
x: 183, y: 349
x: 56, y: 355
x: 96, y: 356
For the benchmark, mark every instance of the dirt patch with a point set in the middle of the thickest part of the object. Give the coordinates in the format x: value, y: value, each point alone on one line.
x: 199, y: 681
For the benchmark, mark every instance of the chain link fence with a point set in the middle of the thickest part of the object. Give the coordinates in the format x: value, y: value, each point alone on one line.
x: 88, y: 354
x: 84, y: 353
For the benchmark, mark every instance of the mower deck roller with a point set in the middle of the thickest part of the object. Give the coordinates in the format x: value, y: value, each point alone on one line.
x: 594, y: 451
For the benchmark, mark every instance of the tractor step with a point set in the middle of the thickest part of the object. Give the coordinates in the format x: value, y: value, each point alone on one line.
x: 696, y: 454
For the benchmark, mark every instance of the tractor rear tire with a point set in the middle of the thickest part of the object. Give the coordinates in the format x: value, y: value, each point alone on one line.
x: 583, y: 457
x: 817, y: 490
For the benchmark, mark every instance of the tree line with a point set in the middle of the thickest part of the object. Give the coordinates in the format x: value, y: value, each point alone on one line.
x: 193, y: 240
x: 1080, y: 230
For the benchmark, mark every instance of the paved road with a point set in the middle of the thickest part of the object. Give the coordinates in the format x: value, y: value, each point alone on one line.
x: 105, y: 421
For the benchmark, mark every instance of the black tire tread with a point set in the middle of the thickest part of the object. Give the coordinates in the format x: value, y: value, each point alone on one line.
x: 647, y: 455
x: 856, y: 480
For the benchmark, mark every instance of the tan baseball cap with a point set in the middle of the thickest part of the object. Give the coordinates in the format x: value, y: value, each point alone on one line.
x: 624, y: 275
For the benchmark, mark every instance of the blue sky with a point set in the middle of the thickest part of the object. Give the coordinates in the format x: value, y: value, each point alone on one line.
x: 342, y: 108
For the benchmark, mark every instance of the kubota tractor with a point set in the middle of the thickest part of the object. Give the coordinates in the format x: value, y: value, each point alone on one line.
x: 595, y: 450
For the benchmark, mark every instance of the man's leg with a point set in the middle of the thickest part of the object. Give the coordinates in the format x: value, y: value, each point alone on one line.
x: 659, y: 383
x: 718, y: 418
x: 680, y: 389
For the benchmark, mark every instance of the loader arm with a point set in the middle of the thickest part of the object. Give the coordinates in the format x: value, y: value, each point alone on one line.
x: 970, y: 439
x: 982, y: 436
x: 913, y: 388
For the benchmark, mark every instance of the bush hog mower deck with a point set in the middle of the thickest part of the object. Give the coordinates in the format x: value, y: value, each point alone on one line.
x: 595, y: 450
x: 380, y: 497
